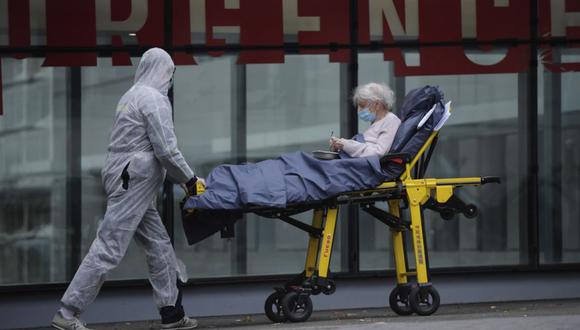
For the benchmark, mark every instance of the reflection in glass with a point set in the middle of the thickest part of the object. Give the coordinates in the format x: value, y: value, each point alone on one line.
x: 289, y: 107
x: 203, y: 108
x: 292, y: 106
x: 33, y: 232
x: 559, y: 157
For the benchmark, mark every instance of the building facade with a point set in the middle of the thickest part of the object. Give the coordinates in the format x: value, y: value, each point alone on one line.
x: 257, y: 78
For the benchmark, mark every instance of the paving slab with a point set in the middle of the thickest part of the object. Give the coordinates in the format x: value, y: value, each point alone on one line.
x: 541, y: 315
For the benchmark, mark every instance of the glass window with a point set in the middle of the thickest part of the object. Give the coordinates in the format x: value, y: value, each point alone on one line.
x: 289, y: 107
x: 229, y: 113
x: 293, y: 106
x: 203, y: 109
x: 478, y: 140
x: 33, y: 229
x: 559, y: 156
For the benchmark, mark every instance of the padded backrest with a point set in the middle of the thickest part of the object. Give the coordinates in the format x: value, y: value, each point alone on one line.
x: 410, y: 138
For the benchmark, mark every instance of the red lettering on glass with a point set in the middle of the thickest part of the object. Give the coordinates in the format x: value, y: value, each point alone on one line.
x: 334, y: 26
x: 258, y: 14
x: 86, y: 23
x: 79, y: 31
x: 19, y: 25
x: 558, y: 19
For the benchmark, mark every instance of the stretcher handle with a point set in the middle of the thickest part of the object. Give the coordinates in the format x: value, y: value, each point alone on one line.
x: 363, y: 199
x: 397, y: 158
x: 490, y: 179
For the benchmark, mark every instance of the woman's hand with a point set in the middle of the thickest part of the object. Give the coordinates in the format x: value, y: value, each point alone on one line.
x: 331, y: 143
x: 336, y: 144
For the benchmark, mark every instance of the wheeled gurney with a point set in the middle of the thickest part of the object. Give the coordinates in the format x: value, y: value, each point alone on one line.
x: 409, y: 190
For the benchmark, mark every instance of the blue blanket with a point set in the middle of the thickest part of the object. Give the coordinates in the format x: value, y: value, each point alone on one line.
x: 292, y: 178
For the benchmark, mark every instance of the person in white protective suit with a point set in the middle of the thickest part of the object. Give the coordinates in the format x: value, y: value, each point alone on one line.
x: 142, y: 150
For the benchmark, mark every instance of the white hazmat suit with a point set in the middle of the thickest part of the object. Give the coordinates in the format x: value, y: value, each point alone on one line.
x: 143, y: 149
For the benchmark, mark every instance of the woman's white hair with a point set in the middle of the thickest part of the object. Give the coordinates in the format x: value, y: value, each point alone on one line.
x: 374, y: 92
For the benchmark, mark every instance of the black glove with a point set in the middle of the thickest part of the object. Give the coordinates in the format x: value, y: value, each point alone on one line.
x: 191, y: 186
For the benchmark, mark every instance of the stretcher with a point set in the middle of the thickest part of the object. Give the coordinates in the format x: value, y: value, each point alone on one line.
x: 414, y: 292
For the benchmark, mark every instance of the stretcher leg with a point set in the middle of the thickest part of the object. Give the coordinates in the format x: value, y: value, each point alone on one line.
x: 399, y: 296
x: 293, y: 302
x: 313, y: 243
x: 416, y: 197
x: 418, y: 245
x: 423, y: 298
x: 398, y: 246
x: 325, y: 251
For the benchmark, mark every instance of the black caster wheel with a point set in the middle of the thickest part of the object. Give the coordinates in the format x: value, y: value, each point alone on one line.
x: 471, y: 211
x: 296, y: 307
x: 424, y: 300
x: 329, y: 289
x: 273, y: 307
x: 399, y: 300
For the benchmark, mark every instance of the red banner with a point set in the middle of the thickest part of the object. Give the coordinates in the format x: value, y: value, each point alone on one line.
x: 270, y: 24
x: 19, y: 25
x: 557, y: 18
x: 78, y: 31
x: 304, y: 23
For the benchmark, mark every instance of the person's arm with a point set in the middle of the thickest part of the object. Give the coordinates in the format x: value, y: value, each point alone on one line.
x: 369, y: 148
x: 157, y: 115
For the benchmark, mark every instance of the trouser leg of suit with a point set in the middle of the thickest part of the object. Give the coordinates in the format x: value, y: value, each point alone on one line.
x: 125, y: 211
x: 152, y: 236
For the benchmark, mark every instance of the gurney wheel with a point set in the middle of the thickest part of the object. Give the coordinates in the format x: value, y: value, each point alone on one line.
x: 297, y: 307
x: 273, y: 307
x: 399, y: 300
x: 424, y: 300
x: 330, y: 288
x: 470, y: 211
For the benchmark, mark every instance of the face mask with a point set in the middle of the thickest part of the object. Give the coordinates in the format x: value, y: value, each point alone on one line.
x: 366, y: 115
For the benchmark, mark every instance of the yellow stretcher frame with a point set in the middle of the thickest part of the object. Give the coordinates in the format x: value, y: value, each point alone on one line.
x: 419, y: 297
x: 292, y: 302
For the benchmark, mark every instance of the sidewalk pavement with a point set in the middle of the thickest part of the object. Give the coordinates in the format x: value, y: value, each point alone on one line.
x: 528, y: 315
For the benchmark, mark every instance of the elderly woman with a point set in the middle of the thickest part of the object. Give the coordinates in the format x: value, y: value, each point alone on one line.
x: 374, y: 102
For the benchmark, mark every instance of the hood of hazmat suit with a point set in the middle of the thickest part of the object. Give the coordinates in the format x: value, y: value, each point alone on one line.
x: 155, y: 70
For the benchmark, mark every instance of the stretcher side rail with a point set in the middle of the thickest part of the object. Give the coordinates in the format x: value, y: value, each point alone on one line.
x: 391, y: 190
x: 384, y: 192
